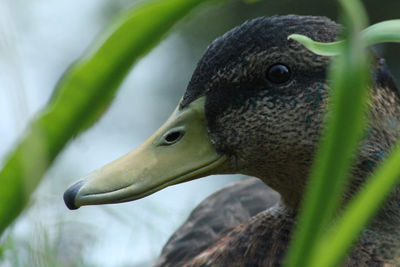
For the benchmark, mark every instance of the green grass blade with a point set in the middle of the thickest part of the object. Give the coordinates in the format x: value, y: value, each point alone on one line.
x: 322, y: 49
x: 341, y: 135
x: 81, y: 97
x: 382, y: 32
x: 337, y: 241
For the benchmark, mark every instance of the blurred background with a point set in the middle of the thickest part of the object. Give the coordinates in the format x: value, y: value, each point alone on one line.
x: 38, y: 41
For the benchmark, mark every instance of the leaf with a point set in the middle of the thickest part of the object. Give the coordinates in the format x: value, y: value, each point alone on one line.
x: 322, y: 49
x: 382, y: 32
x: 333, y: 245
x: 386, y: 31
x: 341, y: 135
x: 84, y: 93
x: 338, y: 240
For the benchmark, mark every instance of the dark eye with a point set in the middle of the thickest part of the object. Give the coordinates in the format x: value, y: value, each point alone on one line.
x: 278, y: 73
x: 172, y: 137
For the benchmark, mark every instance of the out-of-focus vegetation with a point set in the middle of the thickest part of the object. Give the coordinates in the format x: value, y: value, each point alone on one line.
x: 312, y: 244
x: 342, y: 133
x: 195, y: 33
x: 81, y: 97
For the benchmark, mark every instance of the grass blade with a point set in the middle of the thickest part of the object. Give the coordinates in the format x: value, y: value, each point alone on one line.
x: 322, y: 49
x: 341, y: 135
x: 382, y: 32
x: 337, y: 241
x: 81, y: 97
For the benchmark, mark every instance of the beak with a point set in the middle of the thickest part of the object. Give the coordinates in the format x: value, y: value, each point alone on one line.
x: 179, y: 151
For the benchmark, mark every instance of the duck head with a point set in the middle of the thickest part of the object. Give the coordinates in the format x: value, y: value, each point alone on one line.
x: 254, y: 105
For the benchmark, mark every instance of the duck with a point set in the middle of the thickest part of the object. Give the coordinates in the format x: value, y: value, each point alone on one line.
x: 255, y: 105
x: 214, y: 218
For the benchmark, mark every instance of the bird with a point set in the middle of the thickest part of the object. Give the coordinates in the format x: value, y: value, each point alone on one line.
x: 255, y: 105
x: 214, y: 217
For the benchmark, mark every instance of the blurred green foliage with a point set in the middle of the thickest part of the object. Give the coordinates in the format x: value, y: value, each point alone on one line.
x: 335, y: 153
x: 82, y: 95
x: 312, y: 244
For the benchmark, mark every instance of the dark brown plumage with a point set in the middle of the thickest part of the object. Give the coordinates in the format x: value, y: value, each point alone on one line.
x: 214, y: 218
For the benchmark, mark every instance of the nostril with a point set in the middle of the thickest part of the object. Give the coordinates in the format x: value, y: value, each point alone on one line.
x: 172, y: 137
x: 70, y: 194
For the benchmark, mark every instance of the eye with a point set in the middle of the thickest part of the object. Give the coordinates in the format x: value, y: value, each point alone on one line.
x: 278, y: 73
x: 172, y: 137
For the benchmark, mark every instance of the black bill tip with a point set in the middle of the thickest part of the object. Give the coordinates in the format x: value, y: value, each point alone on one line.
x: 70, y: 194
